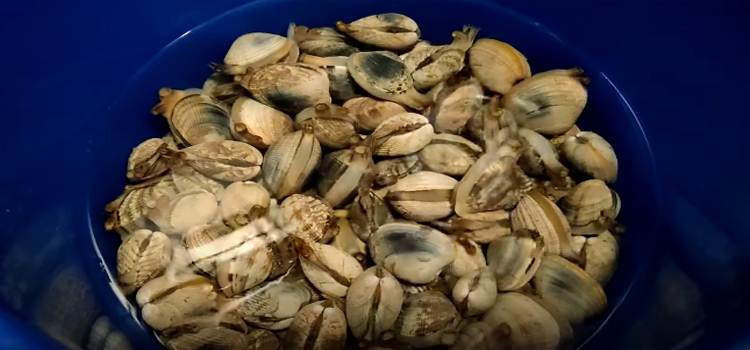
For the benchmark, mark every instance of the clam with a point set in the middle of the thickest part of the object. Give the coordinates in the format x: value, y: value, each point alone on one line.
x: 283, y: 256
x: 568, y: 289
x: 373, y: 303
x: 333, y: 125
x: 173, y: 305
x: 385, y: 76
x: 305, y: 217
x: 213, y: 338
x: 261, y: 339
x: 389, y: 171
x: 223, y: 87
x: 318, y: 326
x: 599, y: 255
x: 290, y: 162
x: 427, y: 319
x: 554, y: 190
x: 514, y: 259
x: 423, y: 196
x: 449, y: 154
x: 421, y: 52
x: 444, y: 62
x: 592, y: 155
x: 142, y: 256
x: 243, y: 202
x: 346, y: 240
x: 187, y: 179
x: 541, y: 158
x: 478, y: 231
x: 475, y: 292
x: 200, y: 324
x: 367, y: 213
x: 588, y: 202
x: 244, y: 267
x: 456, y: 101
x: 254, y: 50
x: 343, y: 86
x: 370, y: 112
x: 289, y: 88
x: 184, y: 211
x: 145, y: 162
x: 411, y: 252
x: 271, y: 306
x: 558, y: 140
x: 202, y: 244
x: 548, y: 102
x: 390, y: 31
x: 163, y: 285
x: 469, y: 257
x: 401, y: 134
x: 536, y: 212
x: 328, y: 268
x: 497, y: 65
x: 194, y: 117
x: 220, y: 160
x: 323, y: 42
x: 128, y: 213
x: 257, y: 124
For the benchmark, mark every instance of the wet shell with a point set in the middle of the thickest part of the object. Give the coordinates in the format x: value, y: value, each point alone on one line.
x: 373, y: 303
x: 497, y: 65
x: 370, y: 112
x: 213, y: 338
x: 420, y: 53
x: 592, y: 155
x: 333, y: 125
x: 223, y: 161
x: 389, y: 171
x: 569, y: 289
x: 243, y: 202
x: 514, y: 259
x: 385, y: 76
x: 263, y: 340
x: 346, y: 240
x: 223, y: 88
x: 272, y: 306
x: 323, y: 42
x: 411, y: 252
x: 423, y: 196
x: 290, y: 162
x: 187, y: 179
x: 202, y: 244
x: 254, y: 50
x: 541, y: 157
x: 402, y: 134
x: 367, y: 213
x: 587, y: 202
x: 305, y: 217
x: 198, y: 118
x: 469, y: 257
x: 176, y: 304
x: 445, y: 62
x: 145, y: 162
x: 558, y: 140
x: 449, y: 154
x: 427, y: 319
x: 318, y: 326
x: 475, y: 292
x: 548, y: 102
x: 245, y: 267
x: 141, y: 257
x: 196, y: 324
x: 456, y: 102
x: 283, y: 255
x: 128, y: 213
x: 537, y: 213
x: 161, y: 286
x: 257, y: 124
x: 184, y: 211
x: 328, y: 268
x: 391, y: 31
x: 600, y: 255
x: 289, y: 88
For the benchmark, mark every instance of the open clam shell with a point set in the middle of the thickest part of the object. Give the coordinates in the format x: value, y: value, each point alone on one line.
x: 537, y: 213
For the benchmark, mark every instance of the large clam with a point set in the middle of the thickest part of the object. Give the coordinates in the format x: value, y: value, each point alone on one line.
x: 592, y: 155
x: 391, y: 31
x: 258, y: 124
x: 128, y: 213
x: 456, y: 101
x: 385, y: 76
x: 288, y: 87
x: 255, y: 50
x: 373, y: 304
x: 290, y: 162
x: 146, y: 162
x: 427, y: 319
x: 497, y: 65
x: 589, y: 201
x: 242, y: 202
x: 244, y: 267
x: 184, y: 211
x: 165, y: 309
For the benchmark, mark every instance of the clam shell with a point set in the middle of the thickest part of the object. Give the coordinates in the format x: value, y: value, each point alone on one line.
x: 548, y: 102
x: 333, y: 126
x: 305, y: 217
x: 600, y: 255
x: 187, y: 179
x: 592, y: 155
x: 202, y: 243
x: 128, y: 213
x: 389, y: 171
x: 223, y: 88
x: 290, y: 162
x: 537, y: 213
x: 586, y: 202
x: 541, y: 157
x: 328, y: 268
x: 161, y: 286
x: 402, y: 134
x: 475, y: 292
x: 318, y: 326
x: 283, y: 256
x: 343, y: 86
x: 423, y: 196
x: 367, y: 212
x: 514, y: 322
x: 200, y: 118
x: 391, y: 31
x: 569, y: 289
x: 255, y: 50
x: 370, y: 112
x: 145, y: 162
x: 449, y: 154
x: 497, y: 65
x: 373, y: 304
x: 243, y: 202
x: 411, y: 252
x: 421, y: 52
x: 289, y: 88
x: 444, y: 62
x: 257, y: 124
x: 211, y: 338
x: 272, y: 306
x: 482, y: 232
x: 323, y: 42
x: 196, y: 324
x: 184, y: 211
x: 224, y: 161
x: 558, y: 140
x: 245, y: 267
x: 455, y: 103
x: 347, y: 241
x: 427, y: 319
x: 183, y: 302
x: 514, y: 259
x: 469, y: 257
x: 142, y: 256
x: 385, y: 76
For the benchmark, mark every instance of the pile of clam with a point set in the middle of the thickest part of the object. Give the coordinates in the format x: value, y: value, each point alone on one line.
x: 356, y: 187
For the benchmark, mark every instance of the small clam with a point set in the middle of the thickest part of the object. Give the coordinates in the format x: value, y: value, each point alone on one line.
x: 497, y: 65
x: 346, y: 240
x: 475, y: 292
x: 290, y: 162
x: 323, y: 42
x: 187, y: 179
x: 592, y: 155
x: 423, y: 196
x: 599, y: 255
x: 482, y: 232
x: 587, y: 202
x: 411, y: 252
x: 469, y: 257
x: 145, y: 162
x: 223, y: 87
x: 568, y: 289
x: 254, y: 50
x: 401, y: 134
x: 385, y: 76
x: 457, y: 100
x: 128, y: 213
x: 373, y: 303
x: 174, y: 304
x: 427, y: 319
x: 243, y: 202
x: 328, y: 268
x: 184, y: 211
x: 444, y: 62
x: 449, y: 154
x: 391, y: 31
x: 161, y: 286
x: 370, y: 112
x: 142, y: 256
x: 549, y: 102
x: 305, y: 217
x: 257, y: 124
x: 333, y: 125
x: 271, y: 306
x: 389, y: 171
x: 202, y: 243
x: 289, y: 88
x: 541, y: 157
x: 537, y: 213
x: 367, y: 213
x: 514, y: 259
x: 195, y: 117
x: 220, y: 160
x: 318, y: 326
x: 244, y: 267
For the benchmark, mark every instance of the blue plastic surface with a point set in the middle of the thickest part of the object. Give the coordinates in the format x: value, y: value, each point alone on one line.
x: 74, y: 105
